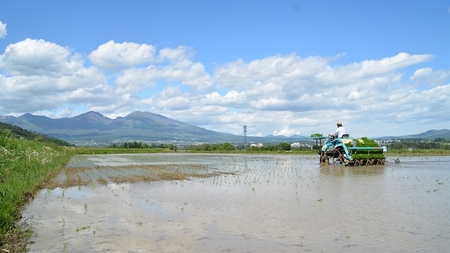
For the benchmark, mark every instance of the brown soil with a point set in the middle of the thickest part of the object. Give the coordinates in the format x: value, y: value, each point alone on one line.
x: 77, y: 176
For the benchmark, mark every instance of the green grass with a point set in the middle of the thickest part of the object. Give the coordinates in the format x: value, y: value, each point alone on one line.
x: 25, y: 166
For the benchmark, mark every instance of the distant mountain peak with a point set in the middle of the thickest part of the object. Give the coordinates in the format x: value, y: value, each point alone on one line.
x: 141, y: 114
x: 94, y: 112
x: 154, y: 117
x: 434, y: 133
x: 91, y: 113
x: 92, y: 117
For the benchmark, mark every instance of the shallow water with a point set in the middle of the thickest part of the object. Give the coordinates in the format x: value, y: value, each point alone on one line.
x: 265, y: 203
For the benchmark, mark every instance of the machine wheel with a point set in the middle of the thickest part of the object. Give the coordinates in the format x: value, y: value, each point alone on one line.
x: 339, y: 154
x: 324, y: 158
x: 357, y: 163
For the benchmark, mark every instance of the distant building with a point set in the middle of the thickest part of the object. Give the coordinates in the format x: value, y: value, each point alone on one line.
x: 295, y: 145
x: 256, y: 145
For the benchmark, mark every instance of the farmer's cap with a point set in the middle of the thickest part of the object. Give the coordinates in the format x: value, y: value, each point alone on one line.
x: 339, y: 123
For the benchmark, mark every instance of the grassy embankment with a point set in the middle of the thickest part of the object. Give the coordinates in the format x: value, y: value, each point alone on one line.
x: 25, y: 166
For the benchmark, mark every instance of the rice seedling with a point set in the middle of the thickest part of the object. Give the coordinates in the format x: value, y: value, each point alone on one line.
x: 63, y: 226
x: 79, y: 182
x: 83, y: 228
x: 65, y: 247
x: 102, y: 181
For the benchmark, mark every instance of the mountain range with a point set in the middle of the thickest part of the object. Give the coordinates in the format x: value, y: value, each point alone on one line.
x: 92, y: 129
x: 430, y: 134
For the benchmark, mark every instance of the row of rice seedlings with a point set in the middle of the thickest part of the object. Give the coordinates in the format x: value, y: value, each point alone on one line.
x: 63, y: 226
x: 96, y: 176
x: 136, y: 173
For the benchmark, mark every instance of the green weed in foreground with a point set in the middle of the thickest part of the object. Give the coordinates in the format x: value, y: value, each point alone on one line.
x: 25, y: 166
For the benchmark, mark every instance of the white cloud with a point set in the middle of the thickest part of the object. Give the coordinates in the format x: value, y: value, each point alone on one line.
x: 300, y: 84
x: 180, y: 68
x: 281, y: 94
x: 113, y: 55
x: 2, y: 30
x: 428, y: 76
x: 175, y: 54
x: 41, y: 75
x: 390, y: 64
x: 232, y: 98
x: 171, y: 98
x: 38, y: 57
x: 291, y: 69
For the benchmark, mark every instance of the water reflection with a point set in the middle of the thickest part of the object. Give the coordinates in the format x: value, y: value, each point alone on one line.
x: 263, y: 203
x: 343, y: 171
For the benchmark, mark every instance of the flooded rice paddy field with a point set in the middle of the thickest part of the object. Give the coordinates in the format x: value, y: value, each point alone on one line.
x: 242, y: 203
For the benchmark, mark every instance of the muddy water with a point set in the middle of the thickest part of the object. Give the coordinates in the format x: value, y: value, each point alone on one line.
x: 260, y: 203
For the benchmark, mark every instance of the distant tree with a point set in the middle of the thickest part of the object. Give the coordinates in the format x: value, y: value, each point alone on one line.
x: 227, y: 146
x: 213, y: 147
x: 316, y: 135
x: 285, y: 146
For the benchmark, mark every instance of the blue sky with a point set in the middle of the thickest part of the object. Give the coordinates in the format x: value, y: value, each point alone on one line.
x: 279, y: 67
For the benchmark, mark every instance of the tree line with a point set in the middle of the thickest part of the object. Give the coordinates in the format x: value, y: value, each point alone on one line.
x: 283, y: 146
x: 438, y: 143
x: 142, y: 145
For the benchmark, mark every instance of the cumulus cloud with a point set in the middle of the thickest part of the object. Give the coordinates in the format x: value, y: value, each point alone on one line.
x: 293, y: 83
x: 113, y: 55
x: 428, y: 76
x: 172, y: 99
x: 175, y: 54
x: 172, y: 65
x: 390, y: 64
x: 279, y: 94
x: 38, y: 57
x: 40, y: 75
x: 2, y: 30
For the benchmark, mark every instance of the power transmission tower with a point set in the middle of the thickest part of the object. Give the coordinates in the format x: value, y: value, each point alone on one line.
x: 245, y: 137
